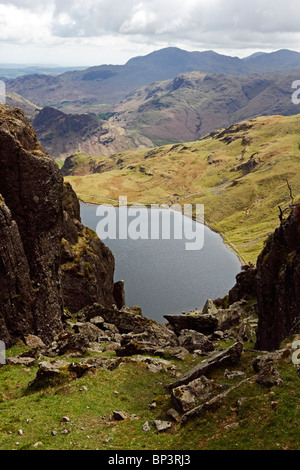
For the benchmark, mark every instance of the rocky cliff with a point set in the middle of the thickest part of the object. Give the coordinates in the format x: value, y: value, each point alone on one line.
x: 275, y: 283
x: 39, y: 228
x: 87, y: 264
x: 278, y: 284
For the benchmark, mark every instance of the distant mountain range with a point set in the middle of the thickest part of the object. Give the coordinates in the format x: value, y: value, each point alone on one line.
x: 92, y: 88
x: 11, y: 71
x: 183, y: 109
x: 165, y: 97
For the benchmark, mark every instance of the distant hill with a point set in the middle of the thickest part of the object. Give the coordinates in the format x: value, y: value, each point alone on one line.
x: 11, y: 71
x: 17, y: 101
x: 194, y: 104
x: 105, y: 85
x: 239, y: 174
x: 63, y: 134
x: 177, y: 110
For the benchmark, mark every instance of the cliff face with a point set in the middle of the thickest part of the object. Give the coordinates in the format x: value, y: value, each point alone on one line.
x: 278, y: 285
x: 87, y: 264
x: 275, y: 283
x: 36, y: 214
x: 16, y: 290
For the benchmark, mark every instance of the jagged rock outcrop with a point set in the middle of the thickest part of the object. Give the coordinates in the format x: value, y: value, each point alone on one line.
x: 275, y: 283
x: 16, y: 290
x: 245, y: 286
x: 32, y: 187
x: 278, y: 285
x: 87, y: 264
x: 40, y: 229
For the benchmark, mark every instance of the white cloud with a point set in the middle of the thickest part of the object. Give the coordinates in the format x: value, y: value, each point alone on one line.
x: 130, y: 27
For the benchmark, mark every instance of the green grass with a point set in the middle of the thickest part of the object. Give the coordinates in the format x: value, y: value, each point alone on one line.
x: 259, y: 425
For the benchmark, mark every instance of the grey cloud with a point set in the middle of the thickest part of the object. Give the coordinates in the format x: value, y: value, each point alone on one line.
x: 213, y: 22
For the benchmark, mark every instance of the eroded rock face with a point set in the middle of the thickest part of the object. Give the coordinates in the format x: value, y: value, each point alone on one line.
x: 278, y: 285
x: 41, y: 236
x: 31, y: 185
x: 275, y: 283
x: 16, y: 290
x: 87, y: 264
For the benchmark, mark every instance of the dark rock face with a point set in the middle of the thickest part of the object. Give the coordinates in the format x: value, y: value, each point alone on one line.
x: 245, y: 286
x: 206, y: 323
x: 16, y: 290
x: 119, y: 294
x: 278, y: 285
x: 40, y: 230
x: 32, y: 187
x: 87, y: 264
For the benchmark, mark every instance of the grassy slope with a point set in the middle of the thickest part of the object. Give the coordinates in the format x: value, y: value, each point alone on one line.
x: 258, y: 425
x: 241, y: 204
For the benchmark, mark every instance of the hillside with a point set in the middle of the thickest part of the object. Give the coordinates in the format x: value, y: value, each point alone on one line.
x: 63, y: 134
x: 195, y: 104
x: 17, y: 101
x: 97, y: 88
x: 239, y: 174
x: 177, y: 110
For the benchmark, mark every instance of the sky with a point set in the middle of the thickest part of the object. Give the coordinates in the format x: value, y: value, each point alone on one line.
x: 94, y: 32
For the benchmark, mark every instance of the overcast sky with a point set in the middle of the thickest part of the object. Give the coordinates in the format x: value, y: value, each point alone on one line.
x: 93, y: 32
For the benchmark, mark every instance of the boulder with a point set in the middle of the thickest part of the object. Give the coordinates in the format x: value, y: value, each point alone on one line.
x: 89, y: 332
x: 98, y: 321
x: 120, y: 415
x: 202, y: 323
x: 193, y: 340
x: 227, y: 318
x: 162, y: 426
x: 34, y: 341
x: 269, y: 375
x: 246, y: 332
x: 154, y: 337
x: 209, y: 307
x: 178, y: 352
x: 24, y: 361
x: 234, y: 374
x: 66, y: 343
x: 124, y: 319
x: 218, y: 359
x: 211, y: 405
x: 50, y: 372
x: 275, y: 356
x: 186, y: 397
x: 153, y: 364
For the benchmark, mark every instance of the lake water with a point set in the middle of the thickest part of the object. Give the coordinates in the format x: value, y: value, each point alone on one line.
x: 161, y: 276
